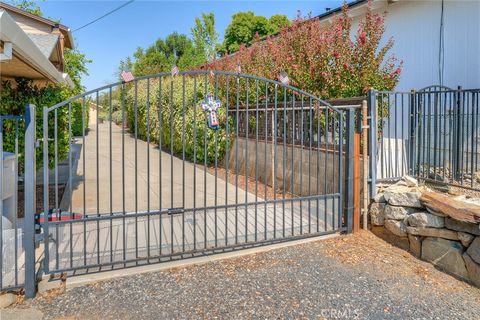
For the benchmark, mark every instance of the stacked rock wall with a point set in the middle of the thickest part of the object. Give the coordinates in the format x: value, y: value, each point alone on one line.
x: 399, y: 216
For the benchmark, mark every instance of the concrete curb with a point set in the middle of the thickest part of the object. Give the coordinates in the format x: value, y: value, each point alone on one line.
x: 82, y: 280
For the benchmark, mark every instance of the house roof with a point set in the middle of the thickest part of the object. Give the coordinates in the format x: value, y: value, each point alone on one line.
x: 66, y: 32
x: 350, y: 5
x: 26, y: 53
x: 45, y: 42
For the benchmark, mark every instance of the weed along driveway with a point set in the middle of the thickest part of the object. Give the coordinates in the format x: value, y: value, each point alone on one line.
x: 354, y: 277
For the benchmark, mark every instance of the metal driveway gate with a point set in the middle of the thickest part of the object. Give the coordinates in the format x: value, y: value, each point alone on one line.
x: 172, y: 166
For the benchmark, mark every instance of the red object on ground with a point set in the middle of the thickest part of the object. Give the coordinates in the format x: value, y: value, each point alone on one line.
x: 59, y: 217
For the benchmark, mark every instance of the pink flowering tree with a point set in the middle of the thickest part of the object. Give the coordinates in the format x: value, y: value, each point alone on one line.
x: 327, y: 61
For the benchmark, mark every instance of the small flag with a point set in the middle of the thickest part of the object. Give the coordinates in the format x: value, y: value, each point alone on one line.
x: 174, y: 70
x: 283, y: 78
x: 127, y: 76
x: 239, y: 67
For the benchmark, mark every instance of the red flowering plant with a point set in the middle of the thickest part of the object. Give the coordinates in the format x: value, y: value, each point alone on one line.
x: 324, y: 60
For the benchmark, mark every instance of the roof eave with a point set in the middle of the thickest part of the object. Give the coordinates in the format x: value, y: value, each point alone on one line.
x: 25, y: 47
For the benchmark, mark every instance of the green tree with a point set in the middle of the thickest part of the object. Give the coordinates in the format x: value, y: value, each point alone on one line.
x: 29, y: 6
x: 205, y: 37
x: 159, y: 57
x: 246, y: 25
x: 76, y: 67
x: 278, y: 22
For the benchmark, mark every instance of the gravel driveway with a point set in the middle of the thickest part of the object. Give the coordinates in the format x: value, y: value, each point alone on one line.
x: 347, y: 277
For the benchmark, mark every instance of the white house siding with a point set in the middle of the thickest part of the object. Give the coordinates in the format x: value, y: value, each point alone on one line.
x: 415, y: 28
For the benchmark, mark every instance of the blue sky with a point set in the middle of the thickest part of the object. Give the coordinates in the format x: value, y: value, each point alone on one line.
x: 142, y: 22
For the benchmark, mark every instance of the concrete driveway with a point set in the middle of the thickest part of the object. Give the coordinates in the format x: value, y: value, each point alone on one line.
x: 134, y: 185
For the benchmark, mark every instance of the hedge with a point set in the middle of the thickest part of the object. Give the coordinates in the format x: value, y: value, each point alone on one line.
x: 13, y: 100
x: 194, y: 127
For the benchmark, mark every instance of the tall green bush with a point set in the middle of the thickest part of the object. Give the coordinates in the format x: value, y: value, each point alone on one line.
x: 13, y: 100
x: 180, y: 112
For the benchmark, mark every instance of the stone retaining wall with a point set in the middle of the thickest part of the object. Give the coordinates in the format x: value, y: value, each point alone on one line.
x: 399, y: 216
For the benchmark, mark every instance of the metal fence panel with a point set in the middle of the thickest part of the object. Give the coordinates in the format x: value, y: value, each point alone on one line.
x: 269, y: 166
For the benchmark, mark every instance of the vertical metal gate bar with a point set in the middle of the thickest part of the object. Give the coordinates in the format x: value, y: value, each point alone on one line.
x: 265, y: 140
x: 397, y: 173
x: 1, y: 198
x: 205, y: 155
x: 216, y: 169
x: 160, y: 152
x: 246, y: 159
x: 372, y: 147
x: 292, y: 188
x: 15, y: 199
x: 310, y: 138
x: 30, y: 196
x: 55, y: 171
x: 274, y: 152
x: 237, y: 120
x: 135, y: 108
x: 45, y: 190
x: 84, y: 184
x: 183, y: 161
x: 284, y: 157
x: 110, y: 158
x: 124, y: 233
x: 325, y: 178
x: 70, y: 178
x: 301, y: 165
x: 256, y: 158
x: 194, y: 161
x: 148, y: 170
x: 172, y: 110
x: 97, y: 111
x: 227, y: 165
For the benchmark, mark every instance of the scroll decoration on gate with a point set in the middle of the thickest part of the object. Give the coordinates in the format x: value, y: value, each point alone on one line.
x: 211, y: 106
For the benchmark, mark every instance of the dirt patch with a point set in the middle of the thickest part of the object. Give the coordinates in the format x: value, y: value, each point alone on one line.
x: 364, y: 248
x: 39, y: 199
x: 243, y: 182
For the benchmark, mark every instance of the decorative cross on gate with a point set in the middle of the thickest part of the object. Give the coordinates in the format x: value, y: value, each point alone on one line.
x: 211, y: 105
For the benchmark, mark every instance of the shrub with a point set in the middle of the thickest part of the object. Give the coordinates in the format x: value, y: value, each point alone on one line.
x: 13, y: 100
x: 323, y: 60
x: 171, y: 112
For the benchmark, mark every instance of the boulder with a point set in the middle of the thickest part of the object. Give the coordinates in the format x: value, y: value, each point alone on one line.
x: 397, y: 213
x: 404, y: 196
x: 474, y: 250
x: 410, y: 181
x: 433, y: 232
x: 7, y: 299
x: 465, y: 238
x: 379, y: 198
x: 382, y: 233
x: 445, y: 254
x: 396, y: 227
x: 473, y: 269
x: 464, y: 198
x: 377, y: 213
x: 436, y: 213
x: 477, y: 176
x: 425, y: 219
x: 456, y: 225
x: 415, y: 245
